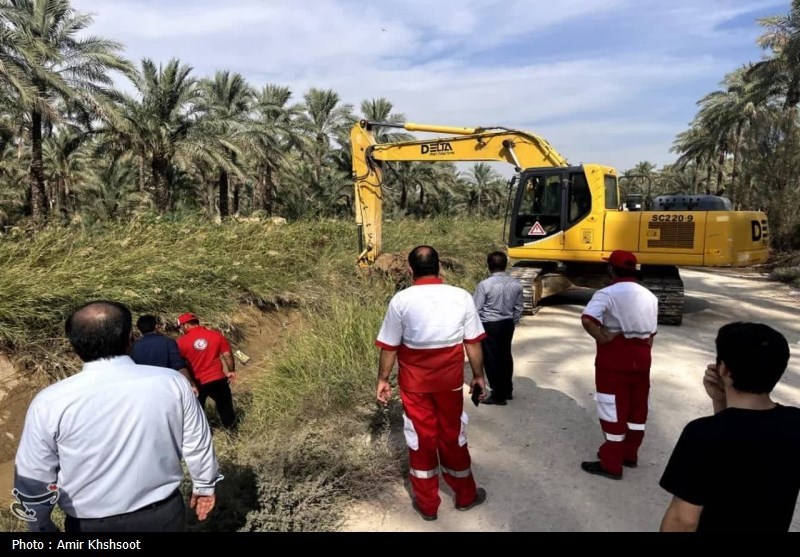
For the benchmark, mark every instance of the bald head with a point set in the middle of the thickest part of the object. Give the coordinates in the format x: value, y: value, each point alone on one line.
x: 424, y: 261
x: 100, y: 330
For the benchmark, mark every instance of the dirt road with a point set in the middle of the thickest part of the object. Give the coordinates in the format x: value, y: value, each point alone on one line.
x: 527, y: 454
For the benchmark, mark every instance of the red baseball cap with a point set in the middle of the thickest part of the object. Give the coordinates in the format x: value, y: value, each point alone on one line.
x: 622, y: 259
x: 186, y: 318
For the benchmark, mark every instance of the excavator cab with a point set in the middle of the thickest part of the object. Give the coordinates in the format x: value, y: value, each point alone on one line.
x: 549, y: 201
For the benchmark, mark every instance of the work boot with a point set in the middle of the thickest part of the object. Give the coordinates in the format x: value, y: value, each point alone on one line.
x: 424, y: 516
x: 492, y: 400
x: 480, y: 497
x: 596, y: 468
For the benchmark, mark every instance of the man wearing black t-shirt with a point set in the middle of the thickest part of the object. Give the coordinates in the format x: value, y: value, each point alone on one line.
x: 738, y: 470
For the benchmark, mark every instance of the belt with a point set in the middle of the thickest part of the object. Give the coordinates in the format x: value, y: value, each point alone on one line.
x: 157, y: 504
x: 150, y: 507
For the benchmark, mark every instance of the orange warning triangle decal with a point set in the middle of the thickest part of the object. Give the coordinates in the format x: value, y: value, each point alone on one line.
x: 537, y: 230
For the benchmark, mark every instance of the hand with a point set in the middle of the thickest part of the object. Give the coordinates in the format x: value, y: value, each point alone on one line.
x: 713, y: 384
x: 204, y: 505
x: 231, y: 376
x: 607, y: 335
x: 384, y: 392
x: 481, y: 382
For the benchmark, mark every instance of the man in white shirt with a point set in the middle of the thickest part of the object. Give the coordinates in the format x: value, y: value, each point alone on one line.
x: 427, y: 329
x: 623, y: 319
x: 107, y: 443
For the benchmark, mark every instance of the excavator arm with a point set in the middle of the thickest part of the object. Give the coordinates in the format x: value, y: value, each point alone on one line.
x: 521, y: 149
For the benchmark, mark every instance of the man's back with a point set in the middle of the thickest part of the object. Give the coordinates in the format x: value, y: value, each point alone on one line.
x: 499, y: 297
x: 115, y: 433
x: 742, y: 466
x: 201, y: 347
x: 625, y: 307
x: 428, y: 323
x: 157, y: 350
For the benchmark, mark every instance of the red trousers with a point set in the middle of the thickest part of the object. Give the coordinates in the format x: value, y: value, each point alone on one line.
x: 434, y: 427
x: 622, y: 408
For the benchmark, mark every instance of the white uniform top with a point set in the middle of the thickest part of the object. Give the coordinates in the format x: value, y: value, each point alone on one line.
x: 625, y: 307
x: 428, y: 324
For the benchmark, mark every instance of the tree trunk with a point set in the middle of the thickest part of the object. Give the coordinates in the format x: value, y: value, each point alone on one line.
x: 210, y: 200
x: 709, y: 170
x: 720, y: 169
x: 38, y: 194
x: 403, y: 197
x: 235, y: 188
x: 222, y: 186
x: 735, y: 173
x: 142, y: 171
x: 260, y: 193
x: 695, y: 176
x: 160, y: 167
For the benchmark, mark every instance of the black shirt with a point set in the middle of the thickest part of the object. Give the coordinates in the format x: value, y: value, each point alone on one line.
x: 743, y: 468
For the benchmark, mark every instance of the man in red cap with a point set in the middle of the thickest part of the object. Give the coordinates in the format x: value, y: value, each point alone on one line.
x: 623, y: 319
x: 202, y: 349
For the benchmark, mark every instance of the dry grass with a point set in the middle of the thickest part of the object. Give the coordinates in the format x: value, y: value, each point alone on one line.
x: 312, y: 437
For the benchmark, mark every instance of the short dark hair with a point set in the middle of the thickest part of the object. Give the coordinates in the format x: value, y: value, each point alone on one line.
x: 147, y: 324
x: 424, y: 261
x: 756, y: 355
x: 99, y: 329
x: 497, y: 261
x: 622, y: 272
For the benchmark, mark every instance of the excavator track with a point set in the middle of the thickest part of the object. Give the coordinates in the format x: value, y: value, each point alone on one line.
x: 669, y: 290
x: 531, y: 287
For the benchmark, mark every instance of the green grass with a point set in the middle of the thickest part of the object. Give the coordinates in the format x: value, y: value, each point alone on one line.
x: 312, y: 438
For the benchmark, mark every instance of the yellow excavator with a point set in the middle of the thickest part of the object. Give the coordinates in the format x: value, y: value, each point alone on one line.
x: 565, y: 219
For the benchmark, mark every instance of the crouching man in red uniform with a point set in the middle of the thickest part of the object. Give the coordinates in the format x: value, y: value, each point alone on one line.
x: 426, y: 329
x: 623, y: 319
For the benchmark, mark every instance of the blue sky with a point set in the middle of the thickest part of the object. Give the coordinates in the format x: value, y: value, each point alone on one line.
x: 605, y: 81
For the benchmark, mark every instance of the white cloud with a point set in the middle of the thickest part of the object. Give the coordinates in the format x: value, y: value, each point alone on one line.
x: 605, y: 80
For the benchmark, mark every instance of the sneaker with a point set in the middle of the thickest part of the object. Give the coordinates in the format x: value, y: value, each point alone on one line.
x: 596, y: 468
x: 479, y: 498
x: 424, y: 516
x: 491, y: 400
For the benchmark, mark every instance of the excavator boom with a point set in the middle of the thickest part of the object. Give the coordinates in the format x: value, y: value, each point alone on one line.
x: 518, y: 148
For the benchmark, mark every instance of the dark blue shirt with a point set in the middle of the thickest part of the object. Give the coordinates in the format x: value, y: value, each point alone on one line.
x: 157, y: 350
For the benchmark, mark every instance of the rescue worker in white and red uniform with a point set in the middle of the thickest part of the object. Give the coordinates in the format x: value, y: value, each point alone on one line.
x: 623, y: 319
x: 427, y: 328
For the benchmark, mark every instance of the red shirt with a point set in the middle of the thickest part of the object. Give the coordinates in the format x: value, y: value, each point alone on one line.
x: 201, y: 348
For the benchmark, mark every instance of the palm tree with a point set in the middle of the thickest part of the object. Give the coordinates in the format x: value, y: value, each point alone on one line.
x: 165, y: 125
x: 66, y: 168
x: 46, y: 52
x: 274, y: 137
x: 780, y: 74
x: 325, y: 122
x: 726, y: 114
x: 226, y: 99
x: 482, y: 178
x: 696, y: 146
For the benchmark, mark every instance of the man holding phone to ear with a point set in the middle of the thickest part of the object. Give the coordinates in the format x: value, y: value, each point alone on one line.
x: 738, y: 470
x: 427, y: 329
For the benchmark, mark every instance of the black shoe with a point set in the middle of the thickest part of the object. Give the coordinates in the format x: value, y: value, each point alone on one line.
x: 491, y: 400
x: 479, y: 498
x: 596, y: 468
x: 626, y: 463
x: 510, y: 397
x: 424, y: 516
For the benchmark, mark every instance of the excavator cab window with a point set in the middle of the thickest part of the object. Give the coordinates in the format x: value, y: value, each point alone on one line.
x: 538, y: 211
x: 580, y: 198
